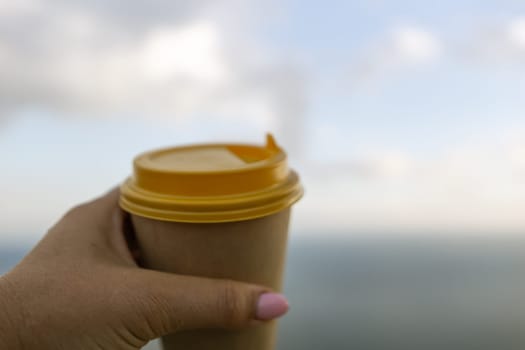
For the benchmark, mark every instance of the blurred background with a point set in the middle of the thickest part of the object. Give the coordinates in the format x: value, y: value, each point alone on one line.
x: 404, y: 119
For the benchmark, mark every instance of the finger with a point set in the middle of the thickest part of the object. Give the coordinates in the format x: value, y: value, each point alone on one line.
x: 112, y: 225
x: 93, y: 226
x: 130, y: 237
x: 100, y: 209
x: 94, y: 216
x: 171, y: 303
x: 121, y: 238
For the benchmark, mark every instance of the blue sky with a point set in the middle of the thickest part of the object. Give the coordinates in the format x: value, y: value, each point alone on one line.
x: 410, y: 113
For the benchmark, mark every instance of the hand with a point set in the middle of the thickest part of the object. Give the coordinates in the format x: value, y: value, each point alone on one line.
x: 80, y: 288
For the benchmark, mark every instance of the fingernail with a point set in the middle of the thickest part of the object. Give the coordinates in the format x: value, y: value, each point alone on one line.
x: 270, y: 306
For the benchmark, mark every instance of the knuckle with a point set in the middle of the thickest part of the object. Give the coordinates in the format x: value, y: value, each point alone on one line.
x: 157, y: 313
x: 233, y: 305
x: 75, y: 211
x: 157, y: 308
x: 152, y: 316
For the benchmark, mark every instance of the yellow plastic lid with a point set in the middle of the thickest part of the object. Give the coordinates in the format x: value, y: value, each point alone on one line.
x: 211, y: 183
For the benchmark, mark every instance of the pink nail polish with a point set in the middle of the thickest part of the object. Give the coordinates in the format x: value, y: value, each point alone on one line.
x: 270, y: 306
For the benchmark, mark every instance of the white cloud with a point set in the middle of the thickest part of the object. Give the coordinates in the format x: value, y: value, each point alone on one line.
x: 9, y: 8
x: 3, y: 55
x: 517, y: 157
x: 169, y: 59
x: 476, y: 188
x: 193, y: 52
x: 496, y: 42
x: 413, y: 45
x: 516, y: 33
x: 403, y: 47
x: 389, y: 164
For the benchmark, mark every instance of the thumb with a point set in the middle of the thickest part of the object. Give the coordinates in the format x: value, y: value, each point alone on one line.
x: 172, y: 303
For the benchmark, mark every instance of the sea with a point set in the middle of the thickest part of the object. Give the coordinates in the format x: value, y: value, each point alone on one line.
x: 389, y: 292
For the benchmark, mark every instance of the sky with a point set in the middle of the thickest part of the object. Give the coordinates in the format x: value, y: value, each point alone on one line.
x: 400, y: 116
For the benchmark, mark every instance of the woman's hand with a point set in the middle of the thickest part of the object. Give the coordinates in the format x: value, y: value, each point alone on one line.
x: 80, y: 288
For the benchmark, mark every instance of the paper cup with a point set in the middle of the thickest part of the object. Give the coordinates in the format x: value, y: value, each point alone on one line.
x: 219, y: 211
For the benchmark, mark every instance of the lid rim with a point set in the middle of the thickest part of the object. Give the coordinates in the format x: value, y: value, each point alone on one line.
x: 129, y: 186
x: 244, y: 214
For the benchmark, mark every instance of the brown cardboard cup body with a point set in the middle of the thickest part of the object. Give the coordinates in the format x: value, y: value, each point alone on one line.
x: 251, y: 251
